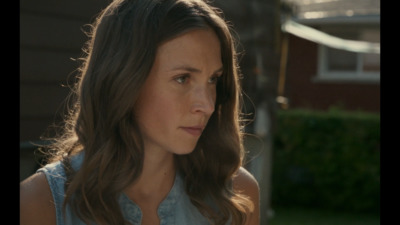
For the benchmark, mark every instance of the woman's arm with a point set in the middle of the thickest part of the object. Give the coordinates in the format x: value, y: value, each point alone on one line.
x: 36, y: 201
x: 246, y: 184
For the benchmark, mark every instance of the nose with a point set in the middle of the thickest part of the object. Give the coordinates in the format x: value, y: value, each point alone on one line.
x: 203, y: 101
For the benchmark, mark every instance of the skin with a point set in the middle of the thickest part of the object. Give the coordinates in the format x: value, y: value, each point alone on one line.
x: 173, y: 108
x: 179, y: 95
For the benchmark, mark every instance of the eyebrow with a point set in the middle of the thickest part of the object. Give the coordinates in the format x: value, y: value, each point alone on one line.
x: 193, y: 70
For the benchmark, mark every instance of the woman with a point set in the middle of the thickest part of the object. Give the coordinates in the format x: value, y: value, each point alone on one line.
x: 155, y: 134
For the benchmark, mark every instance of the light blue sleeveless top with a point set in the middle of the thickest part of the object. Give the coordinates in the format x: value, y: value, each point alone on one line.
x: 175, y: 209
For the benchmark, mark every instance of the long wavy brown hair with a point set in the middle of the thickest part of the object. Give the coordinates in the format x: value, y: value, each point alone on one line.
x: 122, y: 44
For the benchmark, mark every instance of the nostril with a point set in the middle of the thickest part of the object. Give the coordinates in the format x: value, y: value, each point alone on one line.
x: 204, y: 100
x: 206, y: 107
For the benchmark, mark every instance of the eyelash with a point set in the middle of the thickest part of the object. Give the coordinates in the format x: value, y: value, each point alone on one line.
x: 215, y: 79
x: 181, y: 79
x: 184, y: 77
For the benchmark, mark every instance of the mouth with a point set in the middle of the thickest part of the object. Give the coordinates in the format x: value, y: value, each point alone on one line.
x: 195, y: 131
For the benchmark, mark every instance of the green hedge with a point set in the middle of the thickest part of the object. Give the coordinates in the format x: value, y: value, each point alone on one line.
x: 327, y: 160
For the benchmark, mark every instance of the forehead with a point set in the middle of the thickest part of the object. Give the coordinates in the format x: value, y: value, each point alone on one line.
x: 200, y: 47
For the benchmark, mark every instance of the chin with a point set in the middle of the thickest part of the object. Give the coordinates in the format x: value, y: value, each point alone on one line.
x: 184, y: 150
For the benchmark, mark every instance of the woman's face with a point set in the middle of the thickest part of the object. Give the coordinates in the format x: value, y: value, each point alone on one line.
x: 179, y: 94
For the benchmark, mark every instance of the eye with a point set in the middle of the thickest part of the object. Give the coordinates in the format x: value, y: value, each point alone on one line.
x: 182, y: 79
x: 214, y: 79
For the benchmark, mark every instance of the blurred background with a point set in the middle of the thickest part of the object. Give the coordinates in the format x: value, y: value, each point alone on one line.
x: 311, y: 80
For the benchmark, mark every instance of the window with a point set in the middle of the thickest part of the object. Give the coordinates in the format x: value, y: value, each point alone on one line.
x: 341, y: 65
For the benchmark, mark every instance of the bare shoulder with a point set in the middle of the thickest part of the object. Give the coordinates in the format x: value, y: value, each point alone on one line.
x: 245, y: 183
x: 36, y: 201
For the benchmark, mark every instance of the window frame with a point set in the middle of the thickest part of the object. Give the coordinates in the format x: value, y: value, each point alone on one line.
x: 357, y: 76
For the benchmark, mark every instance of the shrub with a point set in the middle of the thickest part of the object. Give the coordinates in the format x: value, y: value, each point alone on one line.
x: 327, y: 160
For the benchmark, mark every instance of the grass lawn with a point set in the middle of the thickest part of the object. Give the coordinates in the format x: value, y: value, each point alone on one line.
x: 283, y: 216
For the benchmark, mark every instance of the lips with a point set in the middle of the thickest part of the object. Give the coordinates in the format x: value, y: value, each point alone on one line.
x: 195, y: 131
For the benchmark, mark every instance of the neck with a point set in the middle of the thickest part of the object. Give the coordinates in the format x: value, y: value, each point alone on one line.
x: 158, y: 175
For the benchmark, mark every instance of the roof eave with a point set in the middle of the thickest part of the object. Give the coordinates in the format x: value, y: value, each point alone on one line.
x: 364, y: 19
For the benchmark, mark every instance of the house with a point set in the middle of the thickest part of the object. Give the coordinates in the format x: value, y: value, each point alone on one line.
x: 330, y: 55
x: 51, y: 36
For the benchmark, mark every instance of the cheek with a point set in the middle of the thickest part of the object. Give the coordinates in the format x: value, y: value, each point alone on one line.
x: 150, y: 117
x: 161, y: 109
x: 213, y: 94
x: 157, y: 108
